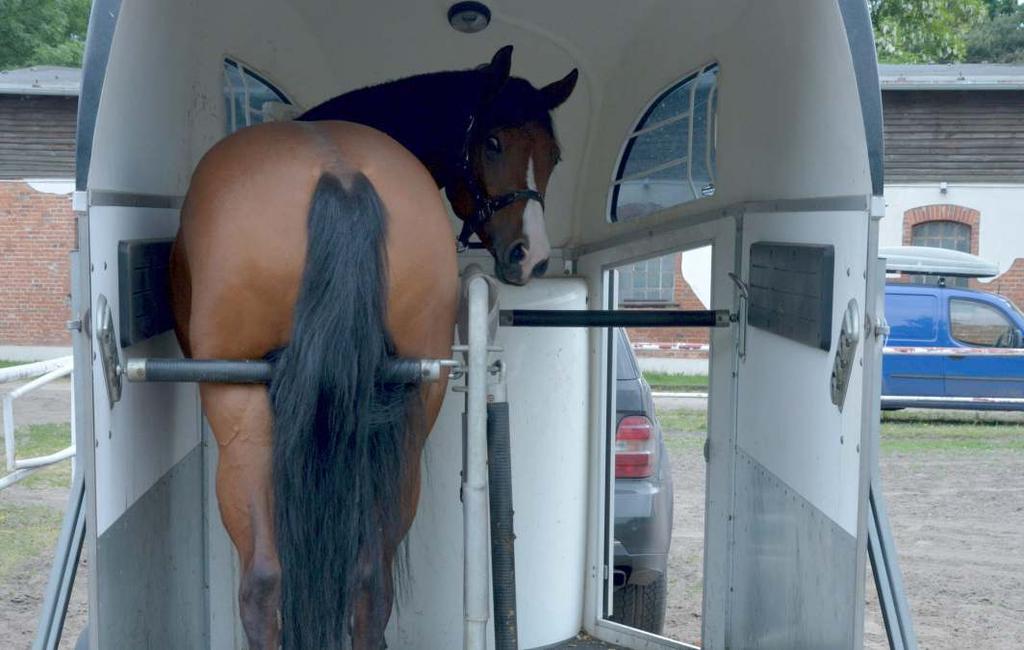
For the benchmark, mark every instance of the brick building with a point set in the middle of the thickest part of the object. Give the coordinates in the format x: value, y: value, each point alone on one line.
x: 38, y: 108
x: 954, y: 164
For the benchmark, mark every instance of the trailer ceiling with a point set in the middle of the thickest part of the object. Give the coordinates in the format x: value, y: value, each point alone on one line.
x: 789, y: 114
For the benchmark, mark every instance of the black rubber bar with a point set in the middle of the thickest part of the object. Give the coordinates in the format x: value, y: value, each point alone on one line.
x: 503, y: 537
x: 399, y: 371
x: 613, y: 318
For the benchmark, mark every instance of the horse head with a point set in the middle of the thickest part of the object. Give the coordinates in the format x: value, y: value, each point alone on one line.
x: 509, y: 153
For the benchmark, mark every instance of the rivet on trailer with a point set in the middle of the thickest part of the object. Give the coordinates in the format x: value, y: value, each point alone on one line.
x: 774, y: 159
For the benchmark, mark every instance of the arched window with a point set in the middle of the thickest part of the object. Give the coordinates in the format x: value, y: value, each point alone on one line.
x: 941, y: 234
x: 251, y: 99
x: 669, y: 157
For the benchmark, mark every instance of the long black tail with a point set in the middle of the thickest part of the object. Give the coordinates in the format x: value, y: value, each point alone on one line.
x: 339, y: 431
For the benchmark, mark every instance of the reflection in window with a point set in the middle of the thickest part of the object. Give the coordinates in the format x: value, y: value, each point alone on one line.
x: 651, y: 280
x: 670, y: 156
x: 250, y: 99
x: 912, y: 318
x: 976, y: 323
x: 952, y: 235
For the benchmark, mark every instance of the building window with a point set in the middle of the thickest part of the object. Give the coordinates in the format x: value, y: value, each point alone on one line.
x: 669, y: 158
x: 249, y: 98
x: 650, y: 281
x: 952, y: 235
x: 975, y: 323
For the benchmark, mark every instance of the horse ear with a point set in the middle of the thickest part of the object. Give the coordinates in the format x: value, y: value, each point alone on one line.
x: 497, y: 71
x: 557, y: 92
x: 501, y: 63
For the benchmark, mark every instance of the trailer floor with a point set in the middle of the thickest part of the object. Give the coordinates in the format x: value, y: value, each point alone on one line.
x: 583, y: 642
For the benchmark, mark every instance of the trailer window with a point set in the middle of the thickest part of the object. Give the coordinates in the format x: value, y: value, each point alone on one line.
x: 669, y: 158
x: 249, y: 98
x: 976, y: 323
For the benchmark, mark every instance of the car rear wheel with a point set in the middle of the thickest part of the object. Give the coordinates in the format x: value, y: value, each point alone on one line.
x: 641, y: 606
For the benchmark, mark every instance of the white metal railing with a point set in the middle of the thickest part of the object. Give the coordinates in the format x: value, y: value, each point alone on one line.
x: 41, y: 373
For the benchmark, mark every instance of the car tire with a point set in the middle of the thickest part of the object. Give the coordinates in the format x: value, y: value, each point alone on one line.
x: 641, y: 606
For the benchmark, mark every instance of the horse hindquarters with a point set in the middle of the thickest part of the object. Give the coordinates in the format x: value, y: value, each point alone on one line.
x: 339, y: 433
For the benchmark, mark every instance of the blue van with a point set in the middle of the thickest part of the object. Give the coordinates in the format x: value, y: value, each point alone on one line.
x: 952, y: 348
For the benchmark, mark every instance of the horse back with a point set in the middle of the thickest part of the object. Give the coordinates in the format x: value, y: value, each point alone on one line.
x: 241, y: 246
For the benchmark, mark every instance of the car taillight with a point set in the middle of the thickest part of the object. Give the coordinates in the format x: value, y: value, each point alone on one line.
x: 635, y: 450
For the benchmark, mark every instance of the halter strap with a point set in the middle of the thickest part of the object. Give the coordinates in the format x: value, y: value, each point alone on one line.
x: 485, y: 206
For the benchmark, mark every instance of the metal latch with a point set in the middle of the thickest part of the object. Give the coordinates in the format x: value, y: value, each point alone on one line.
x: 740, y: 316
x: 110, y: 355
x: 846, y: 350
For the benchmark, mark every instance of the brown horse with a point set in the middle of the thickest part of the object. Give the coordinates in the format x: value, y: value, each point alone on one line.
x: 325, y: 246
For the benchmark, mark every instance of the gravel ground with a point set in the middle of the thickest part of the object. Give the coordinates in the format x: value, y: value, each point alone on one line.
x: 957, y: 516
x: 958, y: 523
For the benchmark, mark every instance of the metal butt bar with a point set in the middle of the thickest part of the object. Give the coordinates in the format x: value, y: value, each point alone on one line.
x: 399, y: 371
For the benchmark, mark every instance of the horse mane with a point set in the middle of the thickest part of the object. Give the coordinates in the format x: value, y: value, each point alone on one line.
x: 429, y: 113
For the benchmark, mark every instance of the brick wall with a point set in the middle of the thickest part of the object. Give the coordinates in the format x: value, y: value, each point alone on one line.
x: 36, y: 234
x: 683, y: 298
x: 1009, y: 284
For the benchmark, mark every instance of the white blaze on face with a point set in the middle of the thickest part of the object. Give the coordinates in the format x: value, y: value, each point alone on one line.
x: 538, y: 248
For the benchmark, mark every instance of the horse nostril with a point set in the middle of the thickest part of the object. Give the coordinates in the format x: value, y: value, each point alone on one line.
x: 540, y: 269
x: 517, y: 254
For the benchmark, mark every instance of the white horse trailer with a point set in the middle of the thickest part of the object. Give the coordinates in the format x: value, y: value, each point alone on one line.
x: 776, y: 163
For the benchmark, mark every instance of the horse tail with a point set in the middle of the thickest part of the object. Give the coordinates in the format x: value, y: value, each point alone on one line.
x: 339, y: 430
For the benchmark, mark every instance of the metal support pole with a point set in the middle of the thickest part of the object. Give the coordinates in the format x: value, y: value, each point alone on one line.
x: 503, y: 536
x: 476, y: 572
x: 614, y: 318
x: 62, y: 574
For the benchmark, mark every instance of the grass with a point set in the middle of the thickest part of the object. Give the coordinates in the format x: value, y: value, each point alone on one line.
x: 676, y: 382
x: 27, y: 529
x: 902, y: 432
x: 915, y: 432
x: 40, y: 440
x: 24, y: 530
x: 685, y: 429
x: 4, y: 363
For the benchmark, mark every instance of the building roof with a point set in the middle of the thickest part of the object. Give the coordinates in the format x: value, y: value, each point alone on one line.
x: 954, y: 76
x: 41, y: 80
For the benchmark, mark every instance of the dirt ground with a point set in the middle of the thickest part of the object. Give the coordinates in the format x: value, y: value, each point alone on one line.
x: 23, y: 586
x: 957, y: 514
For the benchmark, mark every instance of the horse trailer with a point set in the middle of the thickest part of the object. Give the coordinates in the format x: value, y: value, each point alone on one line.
x: 752, y: 126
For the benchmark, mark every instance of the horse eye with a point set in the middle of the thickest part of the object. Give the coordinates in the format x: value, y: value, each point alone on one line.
x: 493, y: 144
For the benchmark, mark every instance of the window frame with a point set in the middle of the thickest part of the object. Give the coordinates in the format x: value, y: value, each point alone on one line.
x: 247, y: 74
x: 710, y: 161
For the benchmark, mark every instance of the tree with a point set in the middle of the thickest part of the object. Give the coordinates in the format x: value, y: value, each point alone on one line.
x: 42, y: 32
x: 926, y: 31
x: 1000, y: 39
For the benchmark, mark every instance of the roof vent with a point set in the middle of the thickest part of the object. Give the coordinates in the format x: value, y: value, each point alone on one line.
x: 469, y: 17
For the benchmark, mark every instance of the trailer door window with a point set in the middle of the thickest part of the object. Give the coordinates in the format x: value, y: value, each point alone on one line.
x: 976, y: 323
x: 669, y: 158
x: 250, y: 99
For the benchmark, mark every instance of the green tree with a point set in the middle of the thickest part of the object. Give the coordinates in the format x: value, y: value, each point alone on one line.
x: 1000, y: 39
x: 42, y: 32
x: 926, y: 31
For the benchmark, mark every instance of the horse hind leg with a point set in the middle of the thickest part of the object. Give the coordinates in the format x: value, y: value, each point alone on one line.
x: 371, y: 606
x: 240, y: 417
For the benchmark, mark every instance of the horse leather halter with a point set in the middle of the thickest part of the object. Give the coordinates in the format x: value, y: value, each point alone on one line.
x: 485, y: 206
